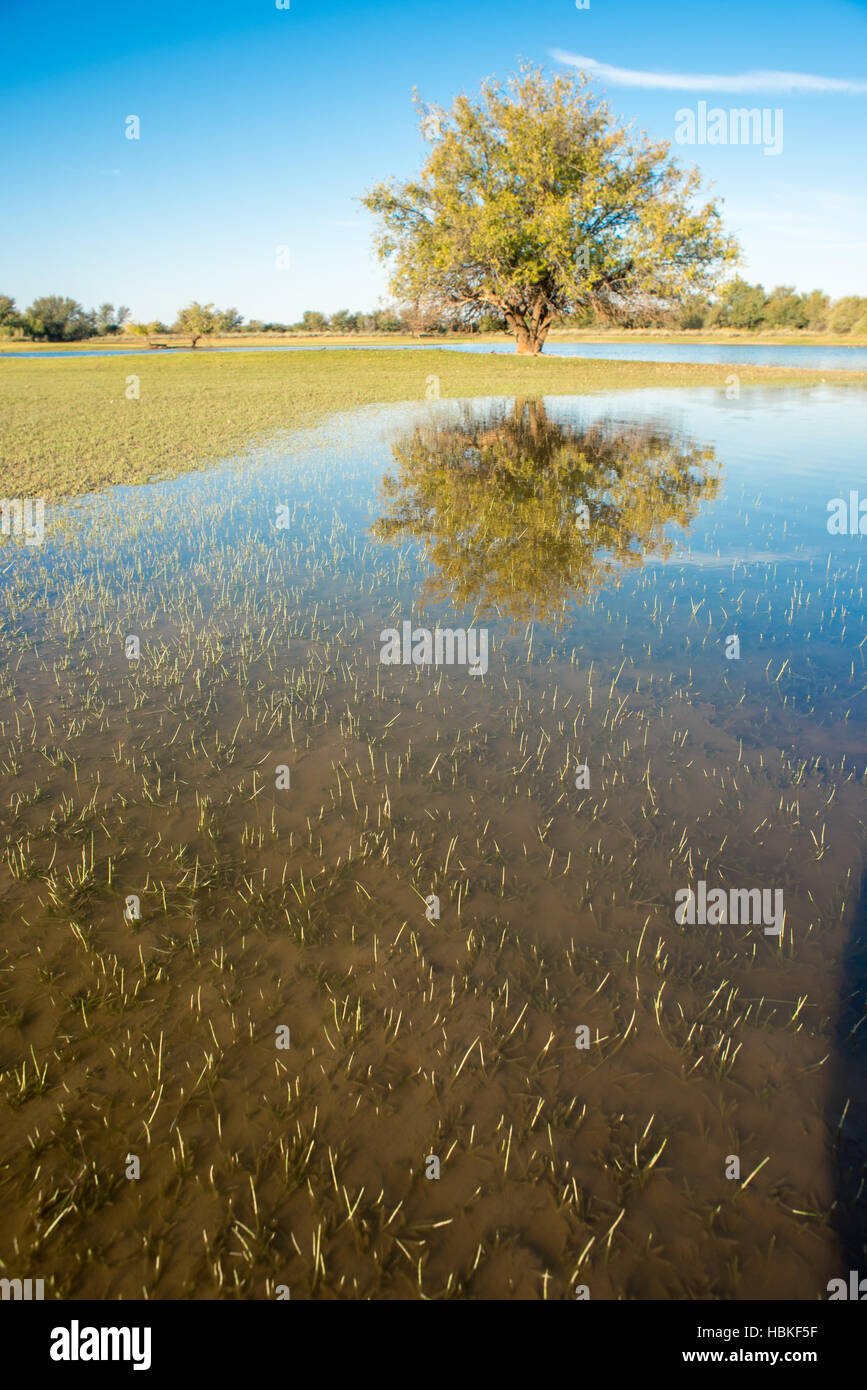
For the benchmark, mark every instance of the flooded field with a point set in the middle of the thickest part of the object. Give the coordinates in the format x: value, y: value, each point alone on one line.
x: 432, y: 861
x: 825, y: 357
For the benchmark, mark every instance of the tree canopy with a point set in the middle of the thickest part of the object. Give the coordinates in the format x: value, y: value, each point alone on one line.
x: 58, y: 319
x: 534, y: 203
x: 108, y: 320
x: 201, y: 319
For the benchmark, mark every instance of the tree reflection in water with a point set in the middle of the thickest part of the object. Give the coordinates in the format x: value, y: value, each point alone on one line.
x: 520, y: 514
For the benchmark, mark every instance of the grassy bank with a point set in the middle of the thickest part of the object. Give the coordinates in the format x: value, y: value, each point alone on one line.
x: 740, y: 337
x: 66, y: 426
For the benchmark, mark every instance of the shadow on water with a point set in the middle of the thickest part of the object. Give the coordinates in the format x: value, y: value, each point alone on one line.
x: 849, y: 1084
x: 521, y: 514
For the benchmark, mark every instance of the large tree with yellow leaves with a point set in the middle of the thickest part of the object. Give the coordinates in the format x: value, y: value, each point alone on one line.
x: 533, y: 203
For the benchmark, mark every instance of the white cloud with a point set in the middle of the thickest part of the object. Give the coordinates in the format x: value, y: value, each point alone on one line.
x: 709, y: 82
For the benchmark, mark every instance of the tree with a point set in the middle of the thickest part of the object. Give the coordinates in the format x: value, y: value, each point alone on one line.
x: 785, y: 308
x: 816, y: 306
x: 144, y: 330
x: 693, y: 312
x: 741, y: 305
x: 388, y: 320
x: 10, y: 319
x: 344, y: 322
x: 313, y: 322
x: 846, y: 313
x: 197, y: 320
x: 227, y: 320
x: 107, y: 321
x: 533, y: 202
x: 58, y: 319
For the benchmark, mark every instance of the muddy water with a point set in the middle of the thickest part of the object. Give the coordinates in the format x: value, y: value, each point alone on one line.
x: 610, y: 550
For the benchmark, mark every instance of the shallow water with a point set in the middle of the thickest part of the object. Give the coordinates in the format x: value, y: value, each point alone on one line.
x: 749, y: 354
x: 851, y: 359
x: 309, y: 906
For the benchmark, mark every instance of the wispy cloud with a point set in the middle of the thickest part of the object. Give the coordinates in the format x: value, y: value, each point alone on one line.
x: 709, y: 82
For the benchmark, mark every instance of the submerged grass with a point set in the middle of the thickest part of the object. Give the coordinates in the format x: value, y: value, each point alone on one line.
x: 67, y: 426
x: 302, y: 907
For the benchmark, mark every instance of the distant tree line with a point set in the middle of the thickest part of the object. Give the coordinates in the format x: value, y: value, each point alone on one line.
x: 54, y: 318
x: 744, y: 306
x: 57, y: 319
x: 740, y: 305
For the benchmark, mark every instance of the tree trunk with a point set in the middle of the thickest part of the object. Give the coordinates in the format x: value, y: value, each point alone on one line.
x: 528, y: 340
x: 530, y: 332
x: 534, y: 414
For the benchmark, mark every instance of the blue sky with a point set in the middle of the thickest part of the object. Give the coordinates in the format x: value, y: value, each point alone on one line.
x: 260, y: 126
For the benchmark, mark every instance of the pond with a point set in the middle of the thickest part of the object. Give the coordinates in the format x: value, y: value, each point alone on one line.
x: 259, y: 777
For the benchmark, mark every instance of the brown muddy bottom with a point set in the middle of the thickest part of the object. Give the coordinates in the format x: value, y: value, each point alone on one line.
x: 551, y: 1089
